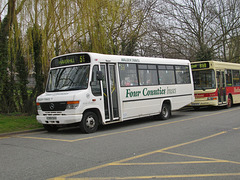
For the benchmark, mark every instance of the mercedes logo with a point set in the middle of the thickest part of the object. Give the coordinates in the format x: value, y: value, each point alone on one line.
x: 51, y: 106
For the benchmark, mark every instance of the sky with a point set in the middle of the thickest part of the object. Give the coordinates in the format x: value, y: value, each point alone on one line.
x: 3, y: 12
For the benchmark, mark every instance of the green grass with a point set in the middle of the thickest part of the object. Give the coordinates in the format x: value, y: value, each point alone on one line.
x: 17, y: 122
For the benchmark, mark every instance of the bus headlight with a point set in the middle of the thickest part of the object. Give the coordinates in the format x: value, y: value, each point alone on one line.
x: 72, y: 104
x: 38, y: 106
x: 212, y: 98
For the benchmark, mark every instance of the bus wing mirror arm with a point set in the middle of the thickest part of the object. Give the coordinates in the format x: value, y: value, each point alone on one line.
x: 99, y: 75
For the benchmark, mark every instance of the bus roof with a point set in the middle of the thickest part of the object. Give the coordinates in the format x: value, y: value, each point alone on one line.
x: 214, y: 65
x: 97, y: 57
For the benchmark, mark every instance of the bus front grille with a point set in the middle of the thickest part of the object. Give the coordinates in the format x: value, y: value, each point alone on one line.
x: 53, y: 106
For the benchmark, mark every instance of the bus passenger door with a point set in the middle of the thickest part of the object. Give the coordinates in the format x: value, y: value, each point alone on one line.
x: 110, y: 92
x: 221, y: 87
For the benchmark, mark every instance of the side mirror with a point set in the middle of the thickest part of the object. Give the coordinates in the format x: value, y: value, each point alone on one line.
x: 99, y: 75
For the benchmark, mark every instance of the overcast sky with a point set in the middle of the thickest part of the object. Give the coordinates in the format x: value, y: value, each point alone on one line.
x: 2, y: 5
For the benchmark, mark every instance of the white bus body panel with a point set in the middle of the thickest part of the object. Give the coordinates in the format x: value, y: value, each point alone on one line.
x: 68, y: 116
x: 146, y: 101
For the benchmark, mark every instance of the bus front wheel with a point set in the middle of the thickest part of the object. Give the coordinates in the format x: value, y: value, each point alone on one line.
x: 89, y: 123
x: 166, y: 111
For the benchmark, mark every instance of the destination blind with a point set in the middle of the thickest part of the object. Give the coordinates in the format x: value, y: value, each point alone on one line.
x: 70, y: 60
x: 202, y: 65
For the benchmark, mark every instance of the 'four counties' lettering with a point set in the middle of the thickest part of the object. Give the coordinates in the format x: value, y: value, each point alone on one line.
x: 147, y: 92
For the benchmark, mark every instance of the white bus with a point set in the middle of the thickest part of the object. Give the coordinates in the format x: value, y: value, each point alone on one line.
x: 89, y: 89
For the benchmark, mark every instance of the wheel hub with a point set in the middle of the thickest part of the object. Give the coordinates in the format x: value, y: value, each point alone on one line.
x: 164, y: 112
x: 90, y: 122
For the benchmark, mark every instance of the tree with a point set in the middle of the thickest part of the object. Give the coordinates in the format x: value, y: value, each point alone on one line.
x: 228, y: 21
x: 191, y: 25
x: 22, y: 98
x: 234, y: 49
x: 7, y: 57
x: 196, y: 30
x: 35, y: 37
x: 6, y: 90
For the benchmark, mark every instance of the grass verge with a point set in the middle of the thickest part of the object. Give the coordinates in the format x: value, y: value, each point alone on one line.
x: 17, y: 122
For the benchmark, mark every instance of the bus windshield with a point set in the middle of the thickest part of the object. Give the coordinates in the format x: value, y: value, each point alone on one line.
x: 68, y: 78
x: 204, y: 79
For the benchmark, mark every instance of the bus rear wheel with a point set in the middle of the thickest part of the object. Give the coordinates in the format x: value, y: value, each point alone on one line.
x: 165, y: 112
x: 89, y: 123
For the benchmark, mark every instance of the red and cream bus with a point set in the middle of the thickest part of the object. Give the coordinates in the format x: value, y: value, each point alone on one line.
x: 215, y: 83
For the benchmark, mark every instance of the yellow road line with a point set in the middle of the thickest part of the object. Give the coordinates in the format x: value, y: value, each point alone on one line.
x: 165, y: 163
x: 170, y: 147
x: 39, y: 138
x: 155, y: 177
x: 200, y: 157
x: 131, y: 130
x: 193, y: 156
x: 135, y: 157
x: 190, y: 142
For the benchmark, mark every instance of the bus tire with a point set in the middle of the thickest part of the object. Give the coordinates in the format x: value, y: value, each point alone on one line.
x: 89, y: 123
x: 50, y: 128
x: 165, y: 112
x: 229, y: 101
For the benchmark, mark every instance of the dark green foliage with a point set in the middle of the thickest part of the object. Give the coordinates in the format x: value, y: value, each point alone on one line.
x: 4, y: 80
x: 35, y: 37
x: 22, y: 75
x: 204, y: 54
x: 35, y: 48
x: 37, y: 52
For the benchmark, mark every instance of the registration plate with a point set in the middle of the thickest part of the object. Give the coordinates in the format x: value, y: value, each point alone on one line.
x: 195, y: 104
x: 51, y: 118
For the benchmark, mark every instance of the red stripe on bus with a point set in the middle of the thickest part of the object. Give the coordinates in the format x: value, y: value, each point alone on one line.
x: 229, y: 90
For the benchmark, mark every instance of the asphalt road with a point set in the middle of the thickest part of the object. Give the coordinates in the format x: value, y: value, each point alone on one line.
x: 202, y: 144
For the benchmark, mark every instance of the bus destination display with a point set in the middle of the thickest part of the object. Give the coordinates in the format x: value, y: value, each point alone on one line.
x: 70, y: 60
x: 200, y: 65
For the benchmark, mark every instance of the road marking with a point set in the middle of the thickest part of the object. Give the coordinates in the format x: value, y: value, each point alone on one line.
x: 39, y: 138
x: 165, y: 163
x: 131, y: 130
x: 163, y: 150
x: 155, y: 177
x: 170, y: 147
x: 200, y: 157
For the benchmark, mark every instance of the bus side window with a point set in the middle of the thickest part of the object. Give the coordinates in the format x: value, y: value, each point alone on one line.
x: 147, y: 74
x: 229, y: 78
x: 182, y: 75
x: 236, y: 81
x: 128, y: 74
x: 166, y: 74
x: 95, y: 83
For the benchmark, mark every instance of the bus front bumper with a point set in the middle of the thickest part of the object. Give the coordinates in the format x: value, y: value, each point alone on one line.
x: 64, y: 119
x: 204, y: 103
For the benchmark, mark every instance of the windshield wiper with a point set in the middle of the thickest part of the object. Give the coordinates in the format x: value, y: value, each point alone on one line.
x: 54, y: 90
x: 73, y: 88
